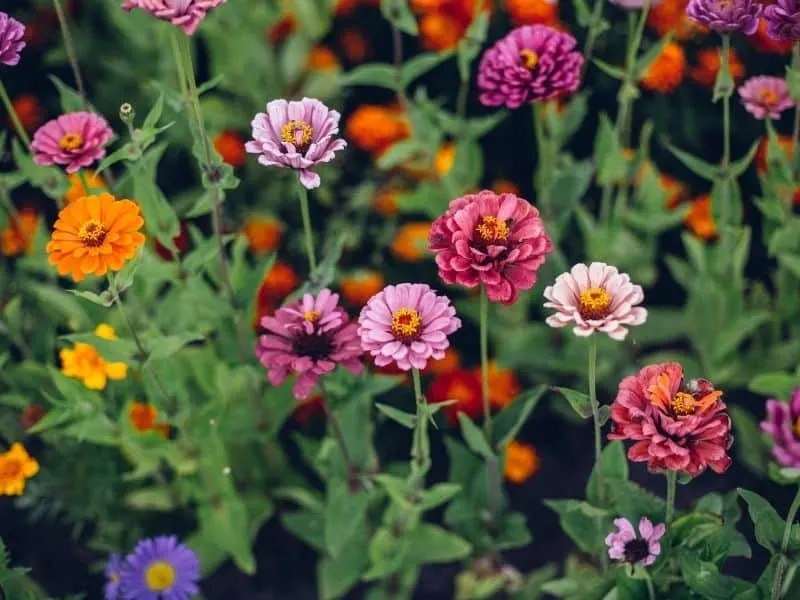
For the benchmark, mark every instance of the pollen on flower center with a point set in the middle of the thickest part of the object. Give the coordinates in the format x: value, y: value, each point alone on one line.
x: 312, y: 316
x: 298, y: 133
x: 92, y: 233
x: 768, y: 97
x: 159, y: 576
x: 636, y: 551
x: 70, y: 141
x: 796, y: 428
x: 406, y: 324
x: 492, y: 229
x: 529, y: 58
x: 594, y: 303
x: 683, y: 404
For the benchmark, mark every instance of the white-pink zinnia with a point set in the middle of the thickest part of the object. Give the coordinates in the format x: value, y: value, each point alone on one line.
x: 594, y: 298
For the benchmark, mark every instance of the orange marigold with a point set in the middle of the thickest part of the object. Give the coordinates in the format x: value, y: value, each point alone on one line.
x: 230, y: 146
x: 709, y: 61
x: 762, y: 42
x: 142, y: 417
x: 263, y: 233
x: 670, y: 15
x: 410, y: 243
x: 84, y: 362
x: 28, y: 110
x: 522, y: 462
x: 374, y: 128
x: 16, y: 466
x: 76, y: 188
x: 531, y: 12
x: 322, y: 58
x: 360, y: 286
x: 699, y: 219
x: 448, y: 364
x: 18, y: 236
x: 95, y: 234
x: 667, y: 71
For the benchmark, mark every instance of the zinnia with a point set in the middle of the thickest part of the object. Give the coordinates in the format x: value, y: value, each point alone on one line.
x: 783, y: 426
x: 765, y: 96
x: 160, y: 569
x: 521, y: 463
x: 594, y: 298
x: 84, y: 362
x: 74, y: 140
x: 112, y: 572
x: 11, y: 44
x: 497, y: 240
x: 461, y: 385
x: 95, y: 234
x: 624, y: 545
x: 308, y: 337
x: 407, y: 324
x: 677, y: 425
x: 16, y: 466
x: 531, y: 64
x: 726, y: 16
x: 296, y: 135
x: 783, y: 20
x: 186, y: 14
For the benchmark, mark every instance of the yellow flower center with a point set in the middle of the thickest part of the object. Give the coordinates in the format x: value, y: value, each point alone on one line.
x: 159, y: 576
x: 92, y: 233
x: 298, y: 133
x: 683, y: 404
x: 312, y: 316
x: 797, y: 427
x: 70, y: 141
x: 768, y: 97
x: 594, y: 303
x: 529, y: 58
x: 492, y: 229
x: 406, y: 324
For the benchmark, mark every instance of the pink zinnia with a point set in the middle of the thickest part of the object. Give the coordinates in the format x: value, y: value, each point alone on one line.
x: 186, y: 14
x: 11, y: 34
x: 296, y: 135
x: 625, y: 545
x: 765, y: 96
x: 497, y: 240
x: 594, y: 298
x: 676, y: 427
x: 309, y: 337
x: 407, y: 324
x: 75, y: 140
x: 783, y: 426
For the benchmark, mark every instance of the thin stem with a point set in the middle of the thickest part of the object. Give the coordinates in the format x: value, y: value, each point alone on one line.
x: 726, y: 105
x: 71, y: 54
x: 419, y: 455
x: 23, y: 135
x: 484, y: 334
x: 542, y: 183
x: 397, y: 47
x: 307, y: 230
x: 777, y: 582
x: 598, y: 442
x: 594, y: 31
x: 337, y: 431
x: 85, y: 182
x: 672, y: 481
x: 651, y: 592
x: 463, y: 96
x: 796, y: 129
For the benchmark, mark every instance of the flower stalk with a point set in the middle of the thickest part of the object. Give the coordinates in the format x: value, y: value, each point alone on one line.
x: 780, y: 568
x: 598, y: 440
x: 793, y: 160
x: 484, y: 343
x: 70, y: 48
x: 23, y: 135
x: 672, y: 480
x: 420, y: 450
x: 308, y: 232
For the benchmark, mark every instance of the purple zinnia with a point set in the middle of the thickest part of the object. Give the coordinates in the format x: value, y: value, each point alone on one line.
x: 407, y: 324
x: 296, y: 135
x: 75, y: 140
x: 309, y: 337
x: 160, y: 569
x: 112, y: 572
x: 783, y: 426
x: 186, y: 14
x: 726, y: 16
x: 531, y: 64
x: 624, y: 545
x: 11, y: 44
x: 783, y: 20
x: 765, y: 96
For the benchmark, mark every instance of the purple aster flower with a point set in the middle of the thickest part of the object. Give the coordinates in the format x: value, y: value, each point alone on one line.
x: 765, y: 96
x: 296, y: 135
x: 186, y: 14
x: 309, y: 337
x: 626, y: 546
x: 726, y: 16
x: 531, y: 64
x: 160, y: 569
x: 11, y: 44
x: 75, y: 140
x: 783, y: 20
x: 783, y: 426
x: 407, y: 324
x: 112, y: 572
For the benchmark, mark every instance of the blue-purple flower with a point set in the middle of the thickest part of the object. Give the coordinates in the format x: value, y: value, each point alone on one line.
x: 726, y: 16
x: 160, y: 569
x: 11, y: 44
x: 113, y: 572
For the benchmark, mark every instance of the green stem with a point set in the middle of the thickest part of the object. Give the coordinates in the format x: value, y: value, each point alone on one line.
x: 85, y: 182
x: 542, y: 182
x: 23, y: 135
x: 419, y: 452
x: 594, y: 31
x: 307, y: 230
x: 726, y: 105
x: 484, y: 341
x: 337, y: 431
x: 71, y: 54
x: 796, y: 129
x: 672, y: 481
x: 598, y: 441
x: 397, y: 48
x: 780, y: 568
x: 651, y: 592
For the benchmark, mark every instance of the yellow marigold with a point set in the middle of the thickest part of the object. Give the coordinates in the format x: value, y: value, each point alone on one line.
x: 19, y: 235
x: 699, y: 220
x: 531, y: 12
x: 503, y: 186
x: 78, y: 190
x: 95, y: 234
x: 84, y: 362
x: 322, y: 58
x: 142, y: 417
x: 448, y: 364
x: 16, y: 465
x: 360, y: 286
x: 410, y: 243
x: 522, y: 462
x: 667, y: 71
x: 440, y: 31
x: 374, y: 128
x: 709, y: 61
x: 385, y: 200
x: 444, y: 159
x: 504, y: 386
x: 354, y: 45
x: 670, y: 15
x: 263, y: 233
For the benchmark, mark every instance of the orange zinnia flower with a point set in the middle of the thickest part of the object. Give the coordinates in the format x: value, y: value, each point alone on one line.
x: 263, y: 233
x: 531, y: 12
x: 16, y: 466
x: 667, y: 71
x: 709, y: 62
x: 142, y: 417
x: 522, y: 462
x: 448, y: 364
x: 410, y: 243
x: 670, y: 15
x: 279, y: 282
x: 322, y: 58
x: 19, y: 235
x: 230, y: 146
x: 699, y: 220
x: 504, y: 386
x: 444, y: 159
x: 439, y: 31
x: 354, y: 45
x: 459, y: 385
x: 375, y: 128
x: 95, y: 234
x: 503, y: 186
x: 359, y: 287
x: 28, y: 110
x: 78, y: 190
x: 762, y: 42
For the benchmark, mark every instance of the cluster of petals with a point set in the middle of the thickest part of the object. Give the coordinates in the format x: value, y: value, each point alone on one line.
x: 12, y: 33
x: 626, y: 546
x: 726, y: 16
x: 783, y: 20
x: 765, y: 96
x: 74, y: 140
x: 186, y: 14
x: 676, y: 425
x: 783, y: 426
x: 495, y: 240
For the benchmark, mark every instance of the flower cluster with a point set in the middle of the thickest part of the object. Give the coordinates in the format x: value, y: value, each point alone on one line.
x: 186, y: 14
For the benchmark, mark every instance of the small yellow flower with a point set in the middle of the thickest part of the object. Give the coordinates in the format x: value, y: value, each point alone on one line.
x: 15, y: 467
x: 105, y: 331
x: 522, y: 462
x: 85, y: 363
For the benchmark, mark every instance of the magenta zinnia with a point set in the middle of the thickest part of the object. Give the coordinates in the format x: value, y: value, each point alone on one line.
x: 497, y: 240
x: 75, y: 140
x: 783, y: 426
x: 407, y: 324
x: 308, y: 337
x: 11, y: 35
x: 677, y: 425
x: 186, y: 14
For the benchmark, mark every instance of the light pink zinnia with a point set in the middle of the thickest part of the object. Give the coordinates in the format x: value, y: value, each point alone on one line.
x: 296, y: 135
x: 595, y: 298
x: 309, y: 337
x: 407, y: 324
x: 625, y: 545
x: 75, y: 140
x: 765, y: 96
x: 676, y: 426
x: 497, y: 240
x: 186, y: 14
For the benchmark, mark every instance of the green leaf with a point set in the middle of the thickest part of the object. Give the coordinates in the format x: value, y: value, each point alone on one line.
x: 160, y: 219
x: 645, y: 60
x: 570, y: 188
x: 610, y: 70
x: 375, y: 74
x: 696, y: 165
x: 118, y: 350
x: 151, y: 498
x: 432, y: 544
x: 791, y: 262
x: 579, y: 401
x: 726, y: 202
x: 778, y: 385
x: 405, y: 419
x: 738, y: 332
x: 470, y: 44
x: 153, y: 117
x: 399, y: 153
x: 750, y: 447
x: 740, y: 166
x: 399, y: 14
x: 421, y: 64
x: 480, y: 126
x: 507, y: 424
x: 338, y: 574
x: 227, y: 523
x: 705, y: 579
x: 163, y: 347
x: 608, y: 155
x: 307, y: 526
x: 474, y: 437
x: 635, y: 502
x: 769, y: 525
x: 614, y: 468
x: 103, y: 299
x: 439, y: 494
x: 344, y: 511
x: 582, y: 522
x: 71, y: 100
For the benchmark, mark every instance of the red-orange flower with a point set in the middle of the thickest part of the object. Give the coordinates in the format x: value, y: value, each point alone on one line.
x: 667, y: 71
x: 181, y: 242
x: 531, y: 12
x: 142, y: 417
x: 282, y: 28
x: 504, y: 386
x: 448, y: 364
x: 358, y: 287
x: 28, y: 110
x: 521, y: 463
x: 675, y: 190
x: 385, y: 202
x: 762, y: 41
x: 354, y: 45
x: 460, y: 385
x: 280, y: 281
x: 18, y: 236
x: 410, y: 243
x: 263, y: 233
x: 78, y: 190
x: 699, y: 219
x: 322, y: 58
x: 230, y: 146
x: 503, y: 186
x: 670, y: 15
x: 374, y: 128
x: 709, y: 61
